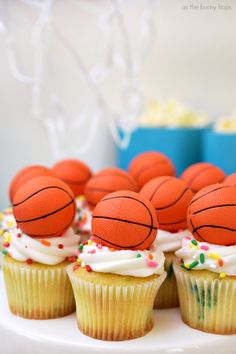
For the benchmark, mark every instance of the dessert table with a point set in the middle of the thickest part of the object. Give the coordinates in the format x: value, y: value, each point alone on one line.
x: 61, y: 336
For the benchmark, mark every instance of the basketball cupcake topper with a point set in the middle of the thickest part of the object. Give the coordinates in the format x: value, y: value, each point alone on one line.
x: 74, y: 173
x: 108, y: 181
x: 170, y: 196
x: 124, y: 220
x: 202, y: 174
x: 212, y: 215
x: 25, y: 175
x: 149, y: 165
x: 44, y: 207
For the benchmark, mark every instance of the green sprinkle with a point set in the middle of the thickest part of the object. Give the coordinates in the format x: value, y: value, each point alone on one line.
x: 193, y: 264
x: 138, y: 255
x: 4, y: 252
x: 81, y: 246
x: 202, y: 258
x: 183, y: 266
x: 194, y: 242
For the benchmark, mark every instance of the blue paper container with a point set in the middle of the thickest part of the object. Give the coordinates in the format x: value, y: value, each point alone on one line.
x: 182, y: 145
x: 220, y: 149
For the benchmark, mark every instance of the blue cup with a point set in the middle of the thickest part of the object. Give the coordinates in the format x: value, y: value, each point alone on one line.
x: 182, y: 145
x: 220, y: 149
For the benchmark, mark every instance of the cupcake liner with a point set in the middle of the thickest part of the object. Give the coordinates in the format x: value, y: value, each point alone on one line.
x: 38, y: 291
x: 114, y: 312
x: 167, y: 296
x: 207, y: 303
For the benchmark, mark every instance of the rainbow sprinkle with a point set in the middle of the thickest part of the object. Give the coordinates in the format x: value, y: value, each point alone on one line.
x: 213, y: 255
x: 222, y: 275
x: 202, y: 258
x: 204, y: 247
x: 152, y: 264
x: 193, y: 264
x: 45, y: 243
x: 194, y: 242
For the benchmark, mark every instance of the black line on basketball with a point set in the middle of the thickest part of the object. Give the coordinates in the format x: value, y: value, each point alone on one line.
x: 213, y: 227
x: 148, y: 166
x: 213, y: 207
x: 57, y: 232
x: 40, y: 190
x: 46, y: 215
x: 193, y: 227
x: 123, y: 220
x: 175, y: 201
x: 213, y: 190
x: 122, y: 246
x: 158, y: 187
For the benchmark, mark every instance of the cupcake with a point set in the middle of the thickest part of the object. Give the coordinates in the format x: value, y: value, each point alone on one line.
x: 206, y: 266
x: 119, y: 270
x: 39, y: 249
x: 170, y: 196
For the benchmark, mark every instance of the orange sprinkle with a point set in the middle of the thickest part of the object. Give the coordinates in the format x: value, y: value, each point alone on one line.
x: 220, y: 262
x: 150, y: 256
x: 45, y: 243
x: 112, y: 249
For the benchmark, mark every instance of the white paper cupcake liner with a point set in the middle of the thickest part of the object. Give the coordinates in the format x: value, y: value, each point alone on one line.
x: 114, y: 312
x: 36, y: 292
x: 207, y: 303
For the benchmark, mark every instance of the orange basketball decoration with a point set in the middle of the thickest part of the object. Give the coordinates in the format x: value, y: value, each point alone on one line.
x: 24, y: 175
x: 73, y: 172
x: 149, y: 165
x: 231, y: 180
x: 44, y: 206
x: 107, y: 181
x: 201, y: 175
x: 212, y: 215
x: 170, y: 197
x: 124, y: 220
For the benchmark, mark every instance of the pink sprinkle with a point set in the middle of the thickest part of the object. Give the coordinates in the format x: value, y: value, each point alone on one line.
x: 99, y: 246
x: 18, y: 235
x: 187, y: 238
x: 204, y: 247
x: 92, y: 251
x: 77, y: 253
x: 92, y: 238
x: 152, y: 264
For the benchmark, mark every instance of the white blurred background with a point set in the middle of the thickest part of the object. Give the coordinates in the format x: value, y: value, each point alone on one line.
x: 192, y: 57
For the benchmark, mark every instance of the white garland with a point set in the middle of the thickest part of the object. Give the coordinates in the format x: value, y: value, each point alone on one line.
x: 129, y: 64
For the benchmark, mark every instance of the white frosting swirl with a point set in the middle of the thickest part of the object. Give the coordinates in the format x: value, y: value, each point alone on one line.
x: 216, y: 258
x: 124, y: 262
x: 171, y: 241
x: 42, y: 250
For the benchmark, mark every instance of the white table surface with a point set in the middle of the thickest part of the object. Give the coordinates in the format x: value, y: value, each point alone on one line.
x: 61, y: 336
